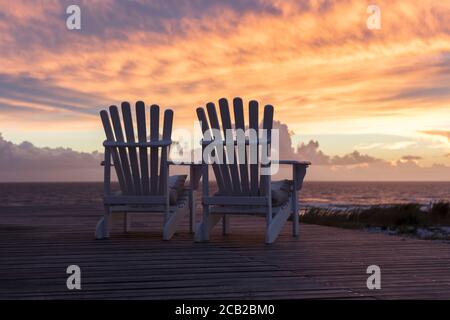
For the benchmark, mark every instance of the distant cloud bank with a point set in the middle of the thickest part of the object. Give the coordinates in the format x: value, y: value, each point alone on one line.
x: 26, y: 162
x: 356, y: 166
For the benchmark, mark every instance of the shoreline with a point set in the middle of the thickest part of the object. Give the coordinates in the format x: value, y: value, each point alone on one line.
x: 428, y: 222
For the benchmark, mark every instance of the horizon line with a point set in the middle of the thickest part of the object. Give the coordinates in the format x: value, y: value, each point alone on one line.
x: 324, y: 181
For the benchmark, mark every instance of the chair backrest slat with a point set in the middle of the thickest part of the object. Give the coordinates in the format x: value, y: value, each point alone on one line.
x: 122, y: 150
x: 143, y: 152
x: 267, y: 134
x: 214, y: 121
x: 154, y: 151
x: 114, y: 151
x: 132, y: 152
x: 201, y: 115
x: 230, y: 152
x: 241, y: 148
x: 167, y: 135
x: 253, y: 148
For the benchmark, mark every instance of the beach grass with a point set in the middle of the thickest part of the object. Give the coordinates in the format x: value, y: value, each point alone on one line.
x: 410, y: 218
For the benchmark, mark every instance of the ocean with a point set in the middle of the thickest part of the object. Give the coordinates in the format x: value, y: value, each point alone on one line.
x: 319, y: 194
x: 354, y: 194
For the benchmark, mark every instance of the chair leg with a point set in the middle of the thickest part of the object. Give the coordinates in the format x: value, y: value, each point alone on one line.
x: 102, y: 229
x: 204, y: 228
x: 191, y: 211
x: 202, y: 232
x: 107, y: 218
x: 172, y: 222
x: 126, y: 222
x: 295, y: 218
x: 226, y: 225
x: 276, y: 225
x: 295, y: 224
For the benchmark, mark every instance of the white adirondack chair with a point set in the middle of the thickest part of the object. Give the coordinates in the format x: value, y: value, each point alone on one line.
x: 142, y: 169
x: 242, y: 188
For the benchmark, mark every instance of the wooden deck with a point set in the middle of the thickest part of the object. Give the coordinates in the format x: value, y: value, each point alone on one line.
x: 37, y: 245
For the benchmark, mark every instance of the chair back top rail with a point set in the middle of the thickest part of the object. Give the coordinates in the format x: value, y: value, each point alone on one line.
x: 236, y: 140
x: 158, y: 143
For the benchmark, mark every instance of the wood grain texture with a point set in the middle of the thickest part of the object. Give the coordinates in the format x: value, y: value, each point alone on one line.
x: 38, y: 243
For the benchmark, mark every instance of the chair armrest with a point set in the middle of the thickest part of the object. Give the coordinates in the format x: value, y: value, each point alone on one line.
x: 150, y: 144
x: 247, y: 142
x: 298, y: 172
x: 293, y: 162
x: 103, y: 164
x: 183, y: 163
x: 195, y: 172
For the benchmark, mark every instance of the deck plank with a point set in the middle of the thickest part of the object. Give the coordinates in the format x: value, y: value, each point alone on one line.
x: 38, y: 243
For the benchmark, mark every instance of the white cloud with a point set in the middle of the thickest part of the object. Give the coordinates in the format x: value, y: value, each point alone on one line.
x: 26, y: 162
x: 401, y: 145
x: 370, y: 146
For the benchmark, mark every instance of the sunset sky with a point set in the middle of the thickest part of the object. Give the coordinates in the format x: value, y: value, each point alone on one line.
x: 360, y: 104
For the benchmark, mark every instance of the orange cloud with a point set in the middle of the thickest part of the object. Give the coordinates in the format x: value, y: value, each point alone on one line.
x: 315, y: 61
x: 439, y: 133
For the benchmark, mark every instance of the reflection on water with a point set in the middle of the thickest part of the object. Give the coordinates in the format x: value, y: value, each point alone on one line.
x: 373, y: 193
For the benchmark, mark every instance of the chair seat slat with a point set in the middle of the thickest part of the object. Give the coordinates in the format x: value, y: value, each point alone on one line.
x: 134, y: 200
x: 235, y: 200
